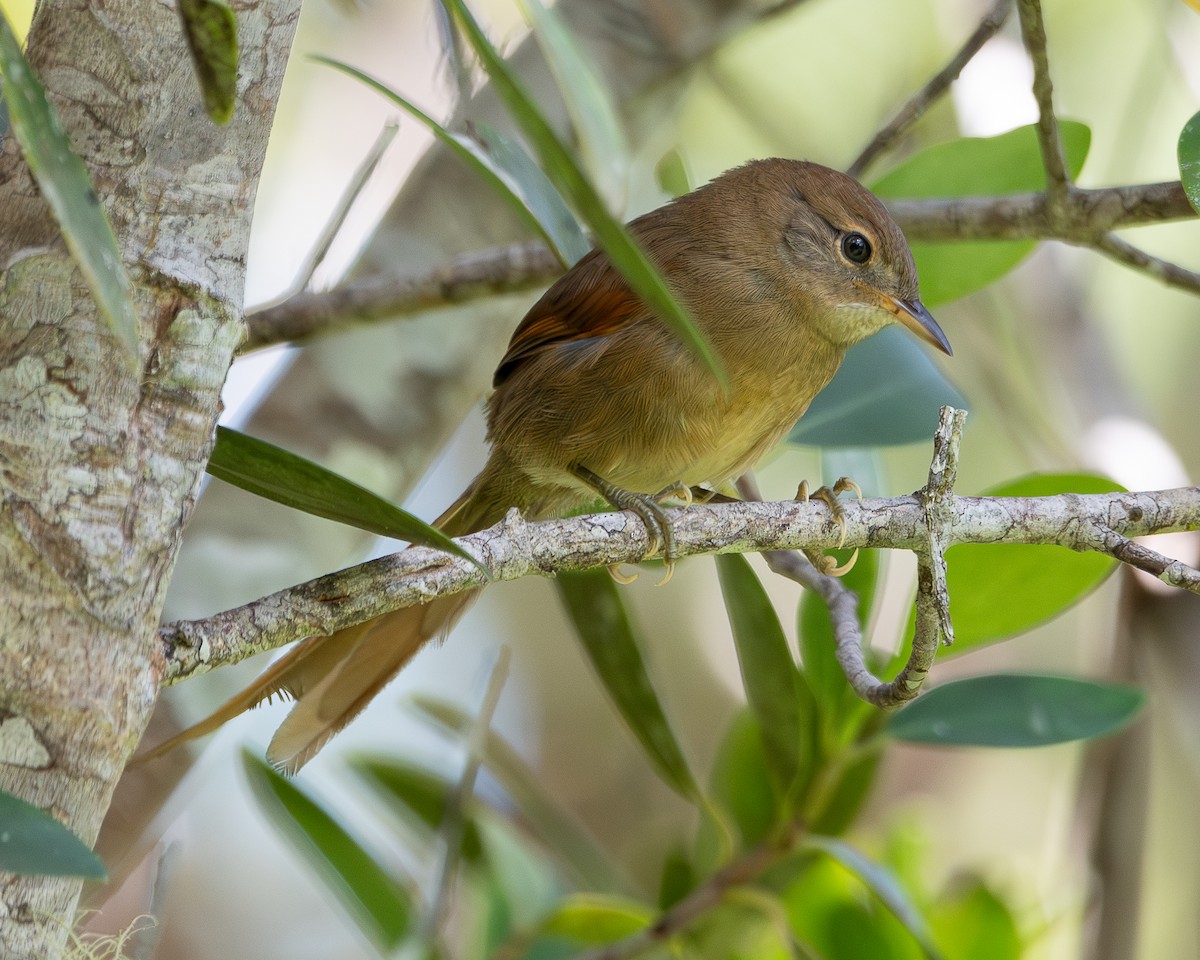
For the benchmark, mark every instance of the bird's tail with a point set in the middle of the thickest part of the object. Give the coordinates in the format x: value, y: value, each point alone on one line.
x: 333, y: 678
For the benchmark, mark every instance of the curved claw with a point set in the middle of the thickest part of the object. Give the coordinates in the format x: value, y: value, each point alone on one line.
x: 829, y: 495
x: 648, y: 507
x: 623, y: 578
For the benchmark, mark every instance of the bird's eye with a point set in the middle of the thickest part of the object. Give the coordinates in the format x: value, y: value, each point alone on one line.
x: 856, y: 248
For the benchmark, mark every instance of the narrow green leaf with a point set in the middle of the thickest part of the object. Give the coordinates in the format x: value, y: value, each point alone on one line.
x: 64, y: 182
x: 678, y: 877
x: 542, y: 210
x: 279, y: 475
x: 741, y: 779
x: 969, y: 167
x: 32, y: 842
x: 1189, y: 160
x: 594, y: 918
x: 1015, y: 710
x: 564, y: 173
x: 211, y: 32
x: 768, y: 671
x: 419, y: 793
x: 888, y: 392
x: 1004, y: 589
x: 587, y: 97
x: 883, y: 884
x: 380, y: 905
x: 604, y: 627
x: 558, y: 832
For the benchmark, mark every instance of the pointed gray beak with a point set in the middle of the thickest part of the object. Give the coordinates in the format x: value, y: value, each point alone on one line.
x: 912, y: 314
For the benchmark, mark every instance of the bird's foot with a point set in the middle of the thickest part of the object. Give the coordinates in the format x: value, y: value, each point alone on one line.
x: 829, y: 495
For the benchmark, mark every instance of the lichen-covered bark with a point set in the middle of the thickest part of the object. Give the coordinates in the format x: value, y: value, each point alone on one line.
x: 100, y: 466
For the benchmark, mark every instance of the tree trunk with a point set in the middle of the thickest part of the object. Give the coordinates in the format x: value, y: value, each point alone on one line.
x: 100, y: 466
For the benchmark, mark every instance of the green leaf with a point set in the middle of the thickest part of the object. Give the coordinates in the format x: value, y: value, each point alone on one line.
x: 671, y: 172
x: 586, y: 96
x: 594, y: 918
x: 64, y: 182
x: 211, y: 32
x: 741, y: 780
x: 1015, y: 710
x: 887, y: 392
x: 1004, y: 589
x: 564, y: 173
x: 380, y: 905
x: 883, y: 884
x: 769, y: 673
x: 279, y: 475
x: 970, y: 922
x: 556, y: 830
x: 1189, y: 160
x: 525, y: 191
x: 415, y: 791
x: 974, y: 167
x: 678, y: 877
x: 33, y: 842
x: 603, y: 625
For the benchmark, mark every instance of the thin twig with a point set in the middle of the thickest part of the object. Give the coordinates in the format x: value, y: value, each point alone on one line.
x: 1174, y: 573
x: 1058, y: 180
x: 915, y: 108
x: 1164, y: 270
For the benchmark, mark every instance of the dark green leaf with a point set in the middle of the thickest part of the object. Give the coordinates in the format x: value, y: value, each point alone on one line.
x: 883, y: 884
x: 970, y: 922
x: 603, y: 625
x: 416, y: 791
x: 887, y: 392
x: 586, y: 95
x: 971, y: 167
x: 1015, y: 710
x: 211, y: 32
x: 1189, y: 160
x: 33, y: 842
x: 844, y: 803
x: 741, y: 781
x: 556, y: 830
x: 277, y: 474
x: 379, y: 904
x: 678, y: 876
x: 66, y: 186
x: 565, y: 174
x: 1001, y: 590
x: 542, y: 210
x: 768, y: 671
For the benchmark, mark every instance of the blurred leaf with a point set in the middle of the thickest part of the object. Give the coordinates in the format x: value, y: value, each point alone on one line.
x: 269, y: 471
x: 741, y: 781
x: 883, y: 884
x: 1189, y: 160
x: 528, y: 883
x: 64, y: 182
x: 671, y: 172
x: 769, y: 673
x: 380, y: 905
x: 33, y: 843
x: 970, y: 922
x: 976, y: 167
x: 678, y: 877
x: 843, y: 804
x: 211, y: 32
x: 405, y: 786
x: 564, y: 173
x: 1015, y: 710
x: 526, y: 193
x: 586, y: 96
x: 826, y: 679
x: 1004, y: 589
x: 888, y: 392
x: 603, y: 625
x: 594, y: 919
x: 556, y: 829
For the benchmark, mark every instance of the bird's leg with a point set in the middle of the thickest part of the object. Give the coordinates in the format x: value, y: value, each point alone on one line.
x: 647, y: 506
x: 704, y: 495
x: 826, y: 564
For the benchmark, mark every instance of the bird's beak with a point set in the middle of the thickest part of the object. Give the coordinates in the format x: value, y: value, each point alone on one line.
x: 912, y: 314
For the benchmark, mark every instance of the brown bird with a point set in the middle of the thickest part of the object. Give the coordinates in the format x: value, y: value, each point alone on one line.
x: 783, y: 265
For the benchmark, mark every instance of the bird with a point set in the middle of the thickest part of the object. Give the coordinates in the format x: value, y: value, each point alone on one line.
x: 782, y: 264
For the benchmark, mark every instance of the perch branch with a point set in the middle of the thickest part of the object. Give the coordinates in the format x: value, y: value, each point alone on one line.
x: 1033, y: 30
x: 915, y: 108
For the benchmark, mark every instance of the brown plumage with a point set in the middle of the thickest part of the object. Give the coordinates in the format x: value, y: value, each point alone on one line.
x: 783, y: 265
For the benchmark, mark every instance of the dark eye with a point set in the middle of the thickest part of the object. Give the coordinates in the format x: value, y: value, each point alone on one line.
x: 856, y: 248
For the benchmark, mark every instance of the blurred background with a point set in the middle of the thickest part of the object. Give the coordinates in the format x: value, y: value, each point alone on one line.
x: 1069, y: 362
